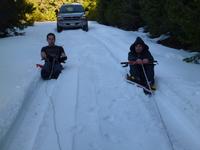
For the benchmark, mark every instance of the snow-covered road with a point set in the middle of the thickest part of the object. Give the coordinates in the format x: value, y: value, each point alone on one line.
x: 90, y: 106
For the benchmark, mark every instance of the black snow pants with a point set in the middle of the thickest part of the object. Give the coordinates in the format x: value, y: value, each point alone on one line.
x: 51, y: 70
x: 138, y: 73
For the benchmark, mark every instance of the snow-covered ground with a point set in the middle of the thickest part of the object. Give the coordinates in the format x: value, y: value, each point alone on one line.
x: 90, y: 106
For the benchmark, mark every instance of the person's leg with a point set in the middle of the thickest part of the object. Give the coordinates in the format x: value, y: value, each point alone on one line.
x: 46, y: 70
x: 149, y: 69
x: 56, y: 70
x: 136, y: 72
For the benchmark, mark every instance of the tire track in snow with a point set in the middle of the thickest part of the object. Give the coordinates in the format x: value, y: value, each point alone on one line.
x: 154, y: 111
x: 66, y: 107
x: 176, y: 121
x: 76, y: 109
x: 92, y: 110
x: 54, y: 116
x: 175, y: 93
x: 155, y: 104
x: 183, y: 97
x: 116, y: 59
x: 77, y: 114
x: 27, y: 117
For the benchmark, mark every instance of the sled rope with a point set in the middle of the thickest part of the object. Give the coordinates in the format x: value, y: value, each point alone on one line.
x: 54, y: 118
x: 54, y: 110
x: 55, y: 125
x: 158, y: 110
x: 146, y: 78
x: 76, y: 110
x: 164, y: 125
x: 52, y: 69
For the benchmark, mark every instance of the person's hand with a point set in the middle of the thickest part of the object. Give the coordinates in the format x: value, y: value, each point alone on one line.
x: 63, y: 58
x: 145, y: 61
x: 139, y: 61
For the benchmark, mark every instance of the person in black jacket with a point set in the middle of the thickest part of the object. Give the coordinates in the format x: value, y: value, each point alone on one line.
x: 53, y: 55
x: 139, y: 53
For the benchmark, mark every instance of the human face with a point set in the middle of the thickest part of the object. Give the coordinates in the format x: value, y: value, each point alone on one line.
x: 139, y: 48
x: 51, y: 40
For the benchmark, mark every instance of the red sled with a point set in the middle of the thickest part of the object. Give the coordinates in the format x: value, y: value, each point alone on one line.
x: 39, y: 66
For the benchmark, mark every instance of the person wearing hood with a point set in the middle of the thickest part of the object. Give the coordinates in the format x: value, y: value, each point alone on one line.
x: 140, y: 54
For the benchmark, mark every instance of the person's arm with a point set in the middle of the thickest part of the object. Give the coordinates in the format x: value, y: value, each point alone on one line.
x: 63, y: 56
x: 43, y: 54
x: 148, y: 58
x: 131, y: 57
x: 134, y: 58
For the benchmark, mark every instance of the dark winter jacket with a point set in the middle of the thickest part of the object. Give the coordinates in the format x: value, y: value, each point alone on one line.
x: 145, y: 54
x: 53, y: 52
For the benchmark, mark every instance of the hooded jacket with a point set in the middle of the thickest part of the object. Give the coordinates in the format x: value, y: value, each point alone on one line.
x: 145, y: 54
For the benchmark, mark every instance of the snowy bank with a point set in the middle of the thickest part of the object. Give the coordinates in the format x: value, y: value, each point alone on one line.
x: 90, y: 106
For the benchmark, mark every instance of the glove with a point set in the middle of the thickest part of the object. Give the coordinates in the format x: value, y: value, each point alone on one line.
x: 145, y: 61
x: 139, y: 61
x: 62, y: 59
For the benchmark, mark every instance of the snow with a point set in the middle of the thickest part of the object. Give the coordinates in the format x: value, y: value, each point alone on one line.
x: 90, y: 106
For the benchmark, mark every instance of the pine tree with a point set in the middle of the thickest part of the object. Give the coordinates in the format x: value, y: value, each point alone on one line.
x: 102, y: 6
x: 14, y: 14
x: 120, y: 13
x: 90, y: 5
x: 184, y: 16
x: 154, y: 14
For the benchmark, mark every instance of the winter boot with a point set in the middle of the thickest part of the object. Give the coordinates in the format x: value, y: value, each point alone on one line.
x: 153, y: 87
x: 132, y: 78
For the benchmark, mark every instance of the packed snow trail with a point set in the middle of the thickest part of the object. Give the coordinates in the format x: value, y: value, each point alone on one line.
x: 91, y: 107
x: 179, y: 81
x: 91, y: 128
